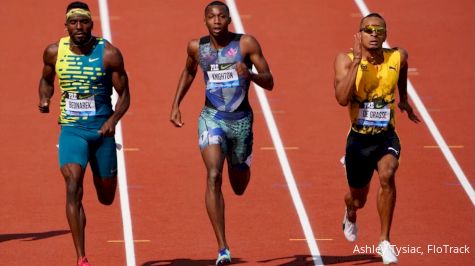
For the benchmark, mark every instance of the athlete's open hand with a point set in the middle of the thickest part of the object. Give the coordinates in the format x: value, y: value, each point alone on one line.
x: 357, y: 50
x: 175, y: 117
x: 108, y: 129
x: 44, y: 105
x: 406, y: 107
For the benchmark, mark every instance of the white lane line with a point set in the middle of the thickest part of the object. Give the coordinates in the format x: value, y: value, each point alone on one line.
x: 122, y: 174
x: 431, y: 125
x: 312, y: 244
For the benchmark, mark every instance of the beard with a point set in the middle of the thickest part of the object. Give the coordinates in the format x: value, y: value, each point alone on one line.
x: 82, y: 40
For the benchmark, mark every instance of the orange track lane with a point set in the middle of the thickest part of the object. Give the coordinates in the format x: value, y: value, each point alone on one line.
x: 166, y: 176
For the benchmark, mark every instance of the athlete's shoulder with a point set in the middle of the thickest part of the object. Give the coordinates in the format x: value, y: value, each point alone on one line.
x: 112, y: 55
x: 193, y: 47
x: 344, y: 58
x: 52, y: 48
x: 249, y: 44
x: 403, y: 54
x: 109, y: 48
x: 246, y: 38
x: 50, y: 53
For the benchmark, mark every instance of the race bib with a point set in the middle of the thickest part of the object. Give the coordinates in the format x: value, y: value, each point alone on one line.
x: 374, y: 117
x: 222, y: 75
x: 80, y: 104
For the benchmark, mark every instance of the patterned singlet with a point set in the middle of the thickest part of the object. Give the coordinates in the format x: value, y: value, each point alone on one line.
x: 372, y: 105
x: 225, y: 90
x: 85, y: 86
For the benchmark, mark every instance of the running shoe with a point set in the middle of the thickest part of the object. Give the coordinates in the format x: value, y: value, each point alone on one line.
x: 82, y: 261
x: 349, y: 229
x: 224, y: 257
x: 386, y: 251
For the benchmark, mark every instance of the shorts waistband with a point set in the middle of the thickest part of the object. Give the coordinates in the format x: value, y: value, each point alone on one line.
x: 226, y: 115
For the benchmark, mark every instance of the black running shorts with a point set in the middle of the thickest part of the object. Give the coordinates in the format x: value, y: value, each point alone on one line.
x: 363, y: 153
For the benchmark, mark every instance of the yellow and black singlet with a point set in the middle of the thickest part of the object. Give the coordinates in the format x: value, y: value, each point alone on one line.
x: 372, y: 104
x: 86, y: 87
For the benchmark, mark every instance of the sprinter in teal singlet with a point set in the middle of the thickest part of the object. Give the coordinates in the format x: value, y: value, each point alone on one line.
x: 225, y: 123
x: 87, y: 68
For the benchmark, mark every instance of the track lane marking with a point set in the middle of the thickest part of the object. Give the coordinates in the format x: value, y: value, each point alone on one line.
x: 121, y: 171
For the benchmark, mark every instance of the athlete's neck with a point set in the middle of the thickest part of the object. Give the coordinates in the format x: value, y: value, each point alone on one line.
x: 221, y: 41
x: 375, y: 57
x: 83, y: 48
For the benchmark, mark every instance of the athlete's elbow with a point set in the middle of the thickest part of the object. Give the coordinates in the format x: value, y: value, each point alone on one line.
x: 342, y: 101
x: 270, y: 84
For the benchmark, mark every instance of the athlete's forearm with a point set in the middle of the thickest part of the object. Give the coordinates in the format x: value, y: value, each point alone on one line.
x: 121, y: 106
x: 184, y: 84
x: 265, y: 80
x: 45, y: 90
x: 344, y: 87
x: 120, y: 81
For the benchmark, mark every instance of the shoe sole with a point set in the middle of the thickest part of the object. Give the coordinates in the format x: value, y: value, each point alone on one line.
x: 224, y: 262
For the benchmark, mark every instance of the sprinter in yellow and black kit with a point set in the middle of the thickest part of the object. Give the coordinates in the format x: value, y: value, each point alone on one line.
x: 366, y: 80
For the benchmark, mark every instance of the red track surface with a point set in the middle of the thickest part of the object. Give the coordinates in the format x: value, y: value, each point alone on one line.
x: 166, y: 177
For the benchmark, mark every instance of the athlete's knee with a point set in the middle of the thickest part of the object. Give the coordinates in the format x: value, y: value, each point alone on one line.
x: 357, y: 198
x: 105, y: 188
x: 386, y: 178
x: 74, y: 189
x: 74, y: 192
x: 239, y: 180
x: 106, y: 198
x: 359, y: 203
x: 239, y: 191
x: 215, y: 179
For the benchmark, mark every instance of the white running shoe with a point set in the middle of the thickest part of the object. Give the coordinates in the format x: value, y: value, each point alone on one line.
x: 386, y: 251
x: 349, y: 229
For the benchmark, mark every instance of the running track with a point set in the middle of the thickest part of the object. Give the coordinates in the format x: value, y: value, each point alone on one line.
x: 165, y: 174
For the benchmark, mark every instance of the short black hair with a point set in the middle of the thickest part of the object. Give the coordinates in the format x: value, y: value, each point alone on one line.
x: 77, y: 4
x: 217, y: 3
x: 373, y: 15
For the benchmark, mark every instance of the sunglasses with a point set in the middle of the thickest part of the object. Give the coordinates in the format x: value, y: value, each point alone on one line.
x: 374, y: 29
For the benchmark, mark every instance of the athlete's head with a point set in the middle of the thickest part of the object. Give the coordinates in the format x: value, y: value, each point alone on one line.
x: 217, y: 18
x: 373, y: 31
x: 79, y: 23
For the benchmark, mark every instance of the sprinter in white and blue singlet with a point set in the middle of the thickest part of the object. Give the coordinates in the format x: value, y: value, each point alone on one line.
x: 225, y: 123
x: 87, y: 67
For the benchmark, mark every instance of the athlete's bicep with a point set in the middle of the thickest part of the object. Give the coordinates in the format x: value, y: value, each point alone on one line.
x: 192, y: 58
x: 252, y: 47
x: 49, y: 63
x: 114, y: 64
x: 342, y: 63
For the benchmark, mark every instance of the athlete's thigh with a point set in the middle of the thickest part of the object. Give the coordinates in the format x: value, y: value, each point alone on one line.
x: 240, y: 141
x: 388, y: 155
x: 103, y: 158
x: 213, y: 158
x: 360, y: 161
x: 211, y: 131
x: 73, y: 147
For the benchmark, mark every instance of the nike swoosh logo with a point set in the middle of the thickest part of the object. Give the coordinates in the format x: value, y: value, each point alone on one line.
x: 396, y: 151
x: 93, y: 59
x: 224, y: 66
